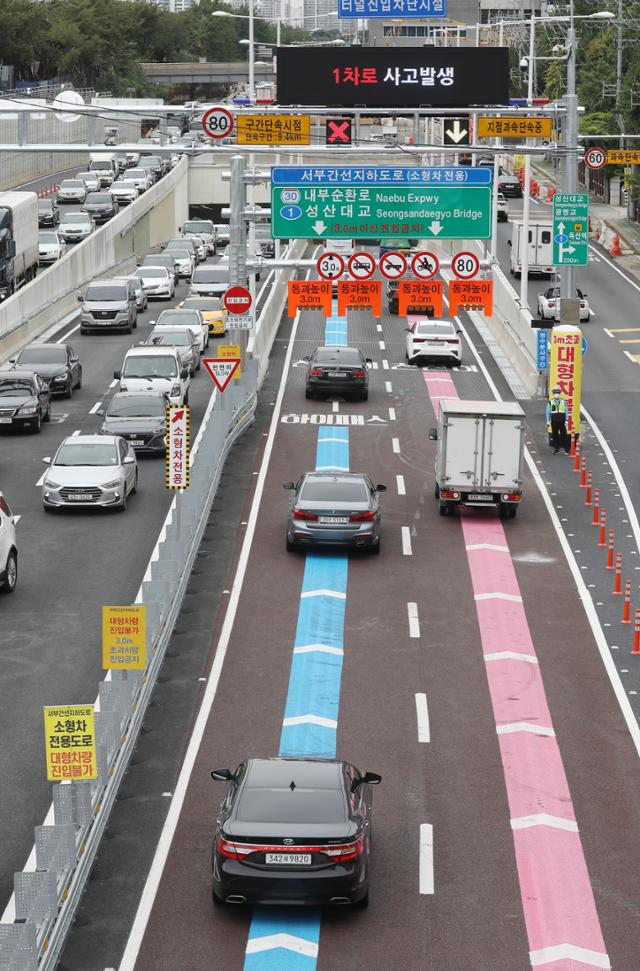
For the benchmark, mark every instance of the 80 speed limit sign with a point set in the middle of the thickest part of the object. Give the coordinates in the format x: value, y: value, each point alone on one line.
x: 465, y: 265
x: 217, y: 122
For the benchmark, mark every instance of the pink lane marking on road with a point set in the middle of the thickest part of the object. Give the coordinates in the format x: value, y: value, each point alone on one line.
x: 557, y: 897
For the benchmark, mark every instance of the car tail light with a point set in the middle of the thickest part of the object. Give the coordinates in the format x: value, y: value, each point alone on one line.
x: 419, y: 340
x: 310, y: 517
x: 358, y: 374
x: 316, y: 372
x: 449, y: 494
x: 452, y: 340
x: 339, y: 851
x: 511, y: 497
x: 362, y: 517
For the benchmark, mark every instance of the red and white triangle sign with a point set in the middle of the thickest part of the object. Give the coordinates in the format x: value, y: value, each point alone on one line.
x: 221, y: 369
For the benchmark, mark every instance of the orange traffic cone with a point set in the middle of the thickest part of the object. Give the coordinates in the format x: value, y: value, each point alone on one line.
x: 615, y: 246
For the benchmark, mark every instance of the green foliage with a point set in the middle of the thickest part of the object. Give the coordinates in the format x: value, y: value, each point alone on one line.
x: 597, y: 123
x: 102, y: 43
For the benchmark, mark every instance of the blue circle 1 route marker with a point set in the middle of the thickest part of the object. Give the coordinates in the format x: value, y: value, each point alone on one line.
x: 561, y: 238
x: 291, y: 212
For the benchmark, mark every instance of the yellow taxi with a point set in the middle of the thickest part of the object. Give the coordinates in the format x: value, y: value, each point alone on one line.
x: 211, y: 309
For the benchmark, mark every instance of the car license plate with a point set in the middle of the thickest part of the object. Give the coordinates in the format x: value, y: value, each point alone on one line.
x: 290, y: 859
x: 480, y: 497
x: 5, y: 421
x: 81, y: 497
x: 335, y: 520
x: 136, y: 441
x: 336, y: 374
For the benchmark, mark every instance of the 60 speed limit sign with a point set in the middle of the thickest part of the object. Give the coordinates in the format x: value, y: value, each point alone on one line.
x: 465, y: 265
x: 595, y: 158
x: 217, y: 122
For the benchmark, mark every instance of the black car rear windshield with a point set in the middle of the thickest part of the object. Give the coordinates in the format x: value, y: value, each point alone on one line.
x: 313, y: 806
x: 45, y: 205
x: 106, y: 293
x: 43, y: 355
x: 327, y: 490
x: 331, y: 355
x: 144, y: 406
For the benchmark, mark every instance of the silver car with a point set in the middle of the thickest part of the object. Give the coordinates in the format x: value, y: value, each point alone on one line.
x: 334, y: 509
x: 156, y: 281
x: 90, y: 179
x: 185, y: 341
x: 75, y: 226
x: 72, y: 190
x: 91, y: 470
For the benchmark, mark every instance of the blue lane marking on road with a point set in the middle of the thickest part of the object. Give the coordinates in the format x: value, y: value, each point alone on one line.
x: 287, y: 939
x: 335, y: 333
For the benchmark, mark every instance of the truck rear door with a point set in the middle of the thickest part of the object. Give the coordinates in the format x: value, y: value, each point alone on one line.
x: 463, y: 451
x: 502, y: 458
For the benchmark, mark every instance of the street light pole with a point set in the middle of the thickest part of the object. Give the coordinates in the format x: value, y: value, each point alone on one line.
x: 524, y: 252
x: 619, y: 55
x: 570, y: 172
x: 252, y: 55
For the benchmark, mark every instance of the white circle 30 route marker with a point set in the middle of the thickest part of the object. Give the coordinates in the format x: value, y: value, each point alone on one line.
x: 425, y: 265
x: 217, y: 122
x: 330, y: 265
x: 595, y: 158
x: 393, y: 265
x: 361, y: 266
x: 465, y: 265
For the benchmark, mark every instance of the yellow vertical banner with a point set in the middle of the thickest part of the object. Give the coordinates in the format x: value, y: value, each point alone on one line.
x: 231, y: 350
x: 565, y: 370
x: 124, y: 638
x: 70, y: 743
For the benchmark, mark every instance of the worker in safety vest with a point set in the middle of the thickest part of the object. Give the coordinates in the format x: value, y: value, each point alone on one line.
x: 557, y: 418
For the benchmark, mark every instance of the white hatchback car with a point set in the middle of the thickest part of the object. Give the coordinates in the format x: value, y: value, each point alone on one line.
x: 156, y: 281
x: 8, y: 548
x: 428, y: 337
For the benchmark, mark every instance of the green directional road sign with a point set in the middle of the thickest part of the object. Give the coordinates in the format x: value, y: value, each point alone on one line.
x: 570, y: 229
x: 425, y: 208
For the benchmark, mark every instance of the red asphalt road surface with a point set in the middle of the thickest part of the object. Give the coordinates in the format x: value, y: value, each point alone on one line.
x: 474, y: 921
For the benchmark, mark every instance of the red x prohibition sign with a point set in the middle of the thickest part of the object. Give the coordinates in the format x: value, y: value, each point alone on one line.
x: 338, y: 131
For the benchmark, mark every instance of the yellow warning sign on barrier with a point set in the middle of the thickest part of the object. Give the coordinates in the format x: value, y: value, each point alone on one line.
x: 273, y: 129
x: 70, y: 743
x: 124, y: 638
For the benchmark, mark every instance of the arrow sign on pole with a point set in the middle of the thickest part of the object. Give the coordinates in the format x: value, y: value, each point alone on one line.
x: 456, y: 131
x: 221, y: 369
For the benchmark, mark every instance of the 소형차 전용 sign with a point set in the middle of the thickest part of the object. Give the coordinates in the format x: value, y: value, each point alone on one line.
x: 312, y: 202
x: 70, y: 743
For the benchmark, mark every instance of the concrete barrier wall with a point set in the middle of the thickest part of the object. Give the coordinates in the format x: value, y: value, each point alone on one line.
x: 268, y: 322
x: 510, y: 326
x: 43, y: 127
x: 113, y: 248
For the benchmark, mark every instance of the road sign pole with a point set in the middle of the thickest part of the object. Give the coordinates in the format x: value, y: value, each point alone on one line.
x: 524, y: 276
x: 238, y: 233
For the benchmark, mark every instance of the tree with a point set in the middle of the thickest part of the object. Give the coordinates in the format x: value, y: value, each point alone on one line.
x: 23, y: 32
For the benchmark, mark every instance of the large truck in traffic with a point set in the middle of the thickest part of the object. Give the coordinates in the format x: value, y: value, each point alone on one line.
x: 18, y: 240
x: 540, y: 247
x: 480, y: 455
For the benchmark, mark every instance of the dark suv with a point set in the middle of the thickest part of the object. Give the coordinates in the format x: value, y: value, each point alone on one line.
x: 337, y: 371
x: 101, y: 205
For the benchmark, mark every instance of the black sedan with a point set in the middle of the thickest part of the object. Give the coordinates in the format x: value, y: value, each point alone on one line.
x: 293, y: 831
x: 101, y: 206
x: 337, y: 371
x: 139, y: 418
x: 48, y: 212
x: 25, y: 400
x: 58, y: 364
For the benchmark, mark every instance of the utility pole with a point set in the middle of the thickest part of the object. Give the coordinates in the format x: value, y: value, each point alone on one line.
x: 619, y: 55
x: 524, y: 274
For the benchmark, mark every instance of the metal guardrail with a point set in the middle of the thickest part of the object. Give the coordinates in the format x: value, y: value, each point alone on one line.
x: 46, y: 898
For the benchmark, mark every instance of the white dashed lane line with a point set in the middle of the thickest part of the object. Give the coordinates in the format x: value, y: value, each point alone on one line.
x: 422, y: 715
x: 426, y: 858
x: 395, y: 445
x: 407, y: 549
x: 387, y: 387
x: 414, y: 621
x: 402, y: 491
x: 95, y: 408
x: 392, y: 414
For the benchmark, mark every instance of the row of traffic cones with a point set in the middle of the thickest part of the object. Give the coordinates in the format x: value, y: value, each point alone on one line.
x: 49, y: 191
x: 606, y: 540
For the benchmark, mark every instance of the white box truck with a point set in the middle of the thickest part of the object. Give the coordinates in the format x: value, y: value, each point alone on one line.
x: 18, y: 240
x: 540, y: 247
x: 480, y: 455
